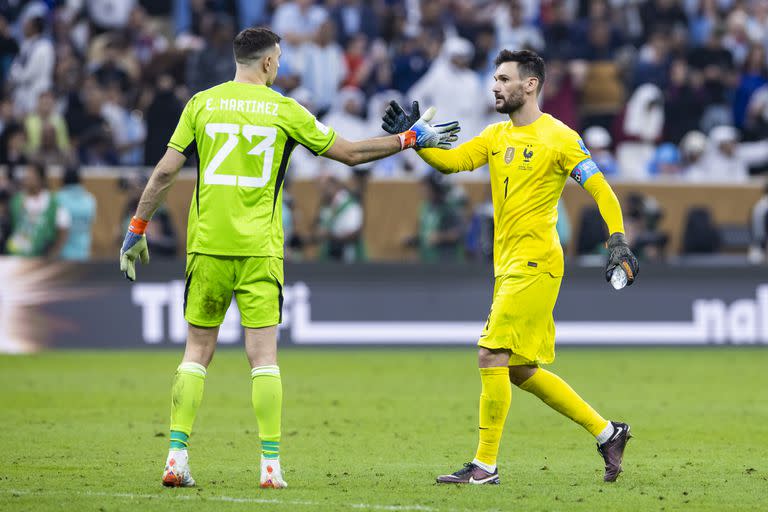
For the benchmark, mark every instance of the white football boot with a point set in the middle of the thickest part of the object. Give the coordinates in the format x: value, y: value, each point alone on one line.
x: 271, y: 474
x: 176, y: 472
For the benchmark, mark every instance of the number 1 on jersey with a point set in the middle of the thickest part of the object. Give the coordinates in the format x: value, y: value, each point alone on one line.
x: 265, y: 147
x: 506, y: 185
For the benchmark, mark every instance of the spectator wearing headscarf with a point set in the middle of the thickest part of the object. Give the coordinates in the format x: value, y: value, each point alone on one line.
x: 727, y: 160
x: 454, y: 89
x: 598, y: 142
x: 324, y: 67
x: 32, y: 71
x: 692, y: 148
x: 642, y: 128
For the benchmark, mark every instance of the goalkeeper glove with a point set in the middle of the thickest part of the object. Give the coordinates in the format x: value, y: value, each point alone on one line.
x: 619, y: 255
x: 134, y: 246
x: 414, y: 129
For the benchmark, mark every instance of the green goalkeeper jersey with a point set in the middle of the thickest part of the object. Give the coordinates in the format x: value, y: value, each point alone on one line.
x: 243, y: 135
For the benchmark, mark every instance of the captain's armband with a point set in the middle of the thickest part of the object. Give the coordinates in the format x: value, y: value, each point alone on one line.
x: 584, y: 170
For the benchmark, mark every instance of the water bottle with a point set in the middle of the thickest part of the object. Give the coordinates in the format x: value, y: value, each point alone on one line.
x: 618, y: 278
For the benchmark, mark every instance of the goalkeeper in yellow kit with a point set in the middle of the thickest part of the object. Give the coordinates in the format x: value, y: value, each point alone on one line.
x: 530, y: 158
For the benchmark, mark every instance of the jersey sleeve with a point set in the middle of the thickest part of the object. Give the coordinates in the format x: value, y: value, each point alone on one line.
x: 575, y: 158
x: 303, y: 127
x: 184, y: 135
x: 607, y: 203
x: 465, y: 157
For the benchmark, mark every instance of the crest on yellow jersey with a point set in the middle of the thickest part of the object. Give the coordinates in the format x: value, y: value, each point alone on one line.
x: 509, y: 155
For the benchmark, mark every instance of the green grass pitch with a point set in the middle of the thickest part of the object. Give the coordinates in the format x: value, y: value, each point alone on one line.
x: 370, y: 429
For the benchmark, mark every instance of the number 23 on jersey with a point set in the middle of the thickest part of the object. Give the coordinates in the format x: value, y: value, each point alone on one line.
x: 235, y: 134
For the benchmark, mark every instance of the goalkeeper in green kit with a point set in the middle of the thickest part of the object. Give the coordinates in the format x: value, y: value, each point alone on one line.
x: 243, y: 133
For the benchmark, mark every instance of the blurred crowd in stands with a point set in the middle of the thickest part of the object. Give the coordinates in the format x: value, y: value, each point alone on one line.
x: 674, y: 88
x: 660, y: 89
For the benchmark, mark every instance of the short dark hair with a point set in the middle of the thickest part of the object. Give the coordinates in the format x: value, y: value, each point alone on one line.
x: 250, y: 43
x: 39, y: 169
x: 38, y: 24
x: 528, y: 64
x: 71, y: 176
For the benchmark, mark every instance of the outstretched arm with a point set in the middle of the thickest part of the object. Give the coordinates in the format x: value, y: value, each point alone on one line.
x: 465, y: 157
x: 360, y: 152
x: 420, y: 135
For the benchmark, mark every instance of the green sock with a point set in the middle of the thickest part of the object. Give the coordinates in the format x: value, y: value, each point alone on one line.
x: 187, y: 393
x: 270, y: 449
x: 267, y: 397
x: 179, y: 440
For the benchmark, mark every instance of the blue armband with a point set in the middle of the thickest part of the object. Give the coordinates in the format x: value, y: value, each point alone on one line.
x: 584, y: 170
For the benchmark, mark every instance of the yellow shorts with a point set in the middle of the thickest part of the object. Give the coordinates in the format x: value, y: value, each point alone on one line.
x: 521, y: 318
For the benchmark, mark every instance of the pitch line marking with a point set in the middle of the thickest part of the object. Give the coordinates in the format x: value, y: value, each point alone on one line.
x: 228, y: 499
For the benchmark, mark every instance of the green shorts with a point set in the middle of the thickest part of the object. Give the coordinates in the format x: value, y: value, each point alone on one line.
x: 257, y: 283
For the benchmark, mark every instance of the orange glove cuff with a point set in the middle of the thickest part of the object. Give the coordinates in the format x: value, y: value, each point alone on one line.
x: 407, y: 139
x: 138, y: 226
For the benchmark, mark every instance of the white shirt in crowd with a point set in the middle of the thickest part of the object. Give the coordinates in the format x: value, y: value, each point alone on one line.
x: 323, y: 69
x: 36, y: 206
x: 350, y: 219
x: 719, y: 166
x: 32, y: 72
x: 110, y: 14
x: 289, y: 19
x: 726, y: 159
x: 454, y: 92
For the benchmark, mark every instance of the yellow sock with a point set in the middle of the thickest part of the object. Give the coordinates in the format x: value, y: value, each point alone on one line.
x: 267, y: 398
x: 494, y: 406
x: 557, y: 394
x: 187, y: 393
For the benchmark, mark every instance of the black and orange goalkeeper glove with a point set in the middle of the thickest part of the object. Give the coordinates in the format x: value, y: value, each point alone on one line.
x: 619, y: 255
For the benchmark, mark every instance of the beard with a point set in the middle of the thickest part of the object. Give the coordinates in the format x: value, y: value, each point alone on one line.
x: 510, y: 105
x: 513, y: 102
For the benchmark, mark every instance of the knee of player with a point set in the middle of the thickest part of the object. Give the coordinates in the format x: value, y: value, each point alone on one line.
x: 519, y: 374
x: 488, y: 358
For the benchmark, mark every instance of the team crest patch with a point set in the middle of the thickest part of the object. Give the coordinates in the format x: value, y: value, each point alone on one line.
x: 509, y: 155
x: 527, y: 154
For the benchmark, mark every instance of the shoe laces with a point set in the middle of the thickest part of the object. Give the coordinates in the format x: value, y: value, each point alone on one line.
x: 468, y: 467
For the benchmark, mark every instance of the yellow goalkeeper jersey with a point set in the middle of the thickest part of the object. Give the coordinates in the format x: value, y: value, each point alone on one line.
x: 529, y: 166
